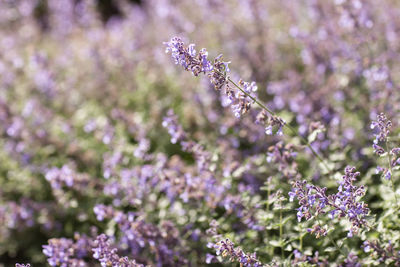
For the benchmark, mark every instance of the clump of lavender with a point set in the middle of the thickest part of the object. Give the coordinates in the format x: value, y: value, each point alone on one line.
x: 345, y: 203
x: 22, y: 265
x: 107, y: 256
x: 65, y: 252
x: 382, y: 130
x: 383, y: 125
x: 384, y: 254
x: 218, y: 73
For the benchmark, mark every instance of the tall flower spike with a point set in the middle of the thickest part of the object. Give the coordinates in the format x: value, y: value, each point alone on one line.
x: 383, y: 125
x: 226, y: 248
x: 218, y: 74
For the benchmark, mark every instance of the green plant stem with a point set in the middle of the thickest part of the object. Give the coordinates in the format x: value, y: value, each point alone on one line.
x: 294, y: 131
x: 331, y: 239
x: 281, y: 229
x: 301, y: 242
x: 391, y: 173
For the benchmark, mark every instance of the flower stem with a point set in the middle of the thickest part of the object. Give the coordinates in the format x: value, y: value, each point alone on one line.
x: 391, y: 173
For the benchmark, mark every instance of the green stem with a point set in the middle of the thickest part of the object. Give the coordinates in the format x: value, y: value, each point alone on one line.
x: 391, y: 173
x: 304, y: 140
x: 281, y: 229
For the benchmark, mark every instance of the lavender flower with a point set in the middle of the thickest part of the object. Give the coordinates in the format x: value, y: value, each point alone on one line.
x: 226, y: 248
x: 138, y: 234
x: 383, y: 125
x: 174, y: 129
x: 345, y: 203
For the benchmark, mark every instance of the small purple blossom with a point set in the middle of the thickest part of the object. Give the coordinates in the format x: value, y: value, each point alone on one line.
x: 218, y: 74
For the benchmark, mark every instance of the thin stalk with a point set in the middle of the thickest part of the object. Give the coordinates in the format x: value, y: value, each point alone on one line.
x: 268, y: 194
x: 281, y: 229
x: 301, y: 242
x: 391, y: 173
x: 304, y: 140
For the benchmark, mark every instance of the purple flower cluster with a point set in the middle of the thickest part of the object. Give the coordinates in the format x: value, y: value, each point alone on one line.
x: 65, y: 252
x: 175, y: 130
x: 226, y: 248
x: 344, y: 204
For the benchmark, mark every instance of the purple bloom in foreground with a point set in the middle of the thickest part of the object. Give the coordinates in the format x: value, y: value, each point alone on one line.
x: 226, y: 248
x: 108, y: 256
x: 218, y: 74
x: 345, y: 203
x: 383, y: 125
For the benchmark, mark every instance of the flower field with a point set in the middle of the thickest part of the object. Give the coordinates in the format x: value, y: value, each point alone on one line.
x: 199, y: 133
